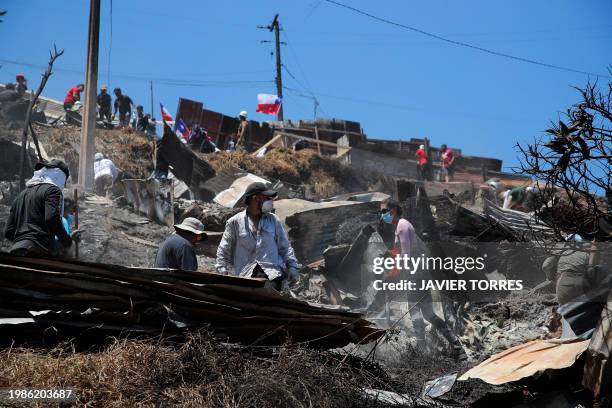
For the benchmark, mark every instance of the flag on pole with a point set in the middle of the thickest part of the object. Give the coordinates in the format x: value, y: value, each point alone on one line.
x: 182, y: 130
x: 165, y: 114
x: 268, y: 104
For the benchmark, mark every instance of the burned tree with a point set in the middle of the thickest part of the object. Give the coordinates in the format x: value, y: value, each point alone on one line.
x: 28, y: 119
x: 572, y: 166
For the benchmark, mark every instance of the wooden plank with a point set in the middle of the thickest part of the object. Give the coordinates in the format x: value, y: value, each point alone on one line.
x: 310, y: 139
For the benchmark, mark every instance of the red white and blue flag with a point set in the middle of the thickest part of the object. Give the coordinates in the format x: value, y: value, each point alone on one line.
x: 166, y: 115
x: 268, y: 104
x: 182, y: 130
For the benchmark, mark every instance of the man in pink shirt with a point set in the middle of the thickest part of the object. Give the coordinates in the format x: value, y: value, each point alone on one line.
x: 420, y: 301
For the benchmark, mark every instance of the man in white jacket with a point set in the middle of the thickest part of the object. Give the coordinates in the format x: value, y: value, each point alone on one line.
x: 105, y: 174
x: 255, y: 243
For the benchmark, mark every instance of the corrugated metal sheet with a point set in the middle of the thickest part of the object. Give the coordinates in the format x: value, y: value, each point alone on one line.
x: 527, y: 360
x: 80, y: 298
x: 516, y: 221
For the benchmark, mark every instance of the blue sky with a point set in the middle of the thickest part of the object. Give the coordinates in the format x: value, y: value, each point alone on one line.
x: 399, y: 84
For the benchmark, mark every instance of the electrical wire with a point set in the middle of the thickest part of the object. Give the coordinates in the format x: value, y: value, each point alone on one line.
x: 161, y: 80
x: 307, y: 90
x: 467, y: 45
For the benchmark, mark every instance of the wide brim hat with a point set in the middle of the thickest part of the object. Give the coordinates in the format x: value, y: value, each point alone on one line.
x: 191, y: 224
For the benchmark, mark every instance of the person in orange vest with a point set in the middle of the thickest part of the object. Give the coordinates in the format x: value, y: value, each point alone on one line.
x: 73, y: 96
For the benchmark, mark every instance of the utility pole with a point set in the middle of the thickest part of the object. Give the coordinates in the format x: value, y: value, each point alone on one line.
x: 88, y: 128
x: 152, y: 99
x: 275, y: 26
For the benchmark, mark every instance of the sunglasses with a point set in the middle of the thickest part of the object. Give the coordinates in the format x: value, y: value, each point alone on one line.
x: 384, y: 210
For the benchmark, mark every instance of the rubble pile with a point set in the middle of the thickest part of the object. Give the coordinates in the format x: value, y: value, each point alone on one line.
x: 131, y: 151
x: 323, y: 176
x: 331, y: 212
x: 111, y: 300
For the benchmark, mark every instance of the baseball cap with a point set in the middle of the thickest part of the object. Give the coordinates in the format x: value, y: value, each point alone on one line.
x: 259, y: 188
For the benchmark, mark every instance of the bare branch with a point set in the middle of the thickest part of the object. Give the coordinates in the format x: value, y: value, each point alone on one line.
x: 28, y: 119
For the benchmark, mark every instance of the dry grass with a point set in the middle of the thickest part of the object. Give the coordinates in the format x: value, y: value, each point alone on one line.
x: 326, y: 175
x: 132, y: 152
x: 197, y: 373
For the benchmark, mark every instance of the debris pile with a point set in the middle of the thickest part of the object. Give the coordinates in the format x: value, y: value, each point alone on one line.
x: 87, y: 300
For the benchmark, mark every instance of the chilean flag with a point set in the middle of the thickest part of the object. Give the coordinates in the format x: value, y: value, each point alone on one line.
x: 269, y: 104
x: 182, y: 130
x: 166, y: 115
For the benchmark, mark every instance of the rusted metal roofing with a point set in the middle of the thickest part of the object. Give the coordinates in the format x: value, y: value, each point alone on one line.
x: 518, y: 221
x: 41, y: 298
x: 527, y: 360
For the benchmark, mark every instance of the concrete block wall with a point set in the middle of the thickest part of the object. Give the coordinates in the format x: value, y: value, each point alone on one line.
x: 375, y: 162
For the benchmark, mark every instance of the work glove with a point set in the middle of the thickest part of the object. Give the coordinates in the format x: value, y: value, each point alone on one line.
x: 76, y: 236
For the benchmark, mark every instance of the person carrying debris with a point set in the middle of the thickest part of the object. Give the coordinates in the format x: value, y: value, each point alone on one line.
x: 123, y: 104
x: 447, y: 162
x: 419, y: 301
x: 421, y: 156
x: 142, y: 121
x: 35, y: 217
x: 21, y: 85
x: 255, y: 243
x: 104, y: 104
x: 73, y: 96
x: 105, y: 174
x: 243, y: 135
x: 177, y: 251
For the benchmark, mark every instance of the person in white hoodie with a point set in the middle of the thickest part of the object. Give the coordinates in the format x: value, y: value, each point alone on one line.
x: 105, y: 174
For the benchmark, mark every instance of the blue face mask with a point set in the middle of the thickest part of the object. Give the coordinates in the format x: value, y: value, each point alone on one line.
x: 387, y: 217
x: 70, y: 219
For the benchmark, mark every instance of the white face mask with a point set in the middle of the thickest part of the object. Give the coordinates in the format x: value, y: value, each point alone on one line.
x: 267, y: 206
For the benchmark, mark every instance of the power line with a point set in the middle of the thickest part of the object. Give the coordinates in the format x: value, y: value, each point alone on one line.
x: 161, y: 80
x: 463, y: 44
x: 308, y: 87
x: 311, y: 94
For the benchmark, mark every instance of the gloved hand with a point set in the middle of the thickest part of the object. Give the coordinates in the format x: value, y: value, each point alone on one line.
x: 293, y: 274
x: 76, y: 236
